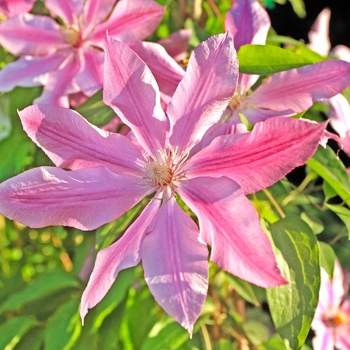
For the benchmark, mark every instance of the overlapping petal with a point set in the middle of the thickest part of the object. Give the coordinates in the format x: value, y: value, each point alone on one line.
x: 258, y: 159
x: 166, y: 71
x: 204, y: 92
x: 28, y: 34
x: 176, y: 44
x: 131, y: 90
x: 124, y: 253
x: 130, y: 20
x: 297, y: 89
x: 28, y: 71
x: 95, y: 11
x: 248, y: 22
x: 71, y: 142
x: 84, y: 199
x: 65, y: 9
x: 175, y: 264
x: 339, y: 114
x: 230, y: 224
x: 13, y: 7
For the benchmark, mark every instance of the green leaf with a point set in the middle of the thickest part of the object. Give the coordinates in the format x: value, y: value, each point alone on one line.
x: 293, y: 305
x: 5, y: 120
x: 46, y: 284
x: 326, y: 164
x: 166, y: 334
x: 328, y: 190
x: 95, y: 111
x: 313, y: 221
x: 64, y: 328
x: 243, y: 288
x: 13, y: 330
x: 327, y: 258
x: 268, y: 59
x: 32, y: 340
x: 343, y: 213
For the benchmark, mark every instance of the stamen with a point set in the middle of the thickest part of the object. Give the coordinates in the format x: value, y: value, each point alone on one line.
x: 72, y: 35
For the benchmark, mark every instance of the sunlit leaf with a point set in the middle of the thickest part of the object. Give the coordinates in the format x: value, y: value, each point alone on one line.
x: 13, y: 330
x: 267, y: 59
x: 293, y: 305
x: 327, y: 258
x: 46, y: 284
x: 326, y: 164
x: 64, y: 327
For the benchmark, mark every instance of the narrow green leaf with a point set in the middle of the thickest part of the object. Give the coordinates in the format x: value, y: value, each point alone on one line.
x: 293, y: 305
x: 95, y: 111
x: 46, y: 284
x: 268, y: 59
x: 343, y: 213
x: 64, y: 328
x: 327, y: 258
x: 326, y: 164
x: 243, y: 288
x: 13, y: 330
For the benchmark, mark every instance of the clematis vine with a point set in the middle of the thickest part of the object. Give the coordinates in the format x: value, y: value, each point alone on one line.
x: 282, y: 94
x: 331, y: 323
x: 67, y: 59
x: 109, y: 174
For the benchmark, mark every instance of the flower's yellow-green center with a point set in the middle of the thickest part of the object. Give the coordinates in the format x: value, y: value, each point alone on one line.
x: 236, y: 101
x: 72, y: 35
x: 160, y: 173
x: 336, y: 320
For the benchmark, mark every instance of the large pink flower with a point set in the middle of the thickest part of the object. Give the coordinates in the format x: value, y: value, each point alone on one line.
x: 110, y: 174
x: 68, y: 59
x: 332, y: 318
x: 285, y: 93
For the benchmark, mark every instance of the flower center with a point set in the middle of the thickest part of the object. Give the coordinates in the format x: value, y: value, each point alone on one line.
x: 72, y: 35
x: 336, y: 320
x: 160, y: 173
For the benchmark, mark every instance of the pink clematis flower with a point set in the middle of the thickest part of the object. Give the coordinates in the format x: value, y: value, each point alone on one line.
x: 339, y: 108
x: 9, y: 8
x: 110, y: 174
x: 331, y: 323
x: 68, y: 59
x: 285, y: 93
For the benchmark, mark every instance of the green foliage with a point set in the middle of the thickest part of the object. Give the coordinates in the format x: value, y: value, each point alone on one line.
x: 293, y: 305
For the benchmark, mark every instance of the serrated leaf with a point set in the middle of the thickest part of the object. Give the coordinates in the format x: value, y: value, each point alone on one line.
x: 13, y: 330
x: 268, y: 59
x: 95, y: 111
x: 64, y: 328
x: 326, y: 164
x: 293, y: 305
x: 46, y: 284
x: 327, y: 258
x: 343, y: 213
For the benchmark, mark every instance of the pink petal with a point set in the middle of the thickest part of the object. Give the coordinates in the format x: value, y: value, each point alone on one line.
x: 59, y: 83
x: 248, y: 23
x: 167, y: 72
x: 337, y: 294
x: 89, y: 79
x: 131, y: 20
x: 131, y: 90
x: 297, y: 89
x: 68, y: 10
x: 260, y: 158
x: 71, y: 142
x: 204, y: 92
x: 339, y: 114
x: 230, y: 224
x: 13, y: 7
x: 84, y: 199
x: 246, y: 81
x: 95, y: 11
x: 175, y: 264
x: 119, y: 256
x: 319, y: 34
x: 28, y: 34
x: 176, y: 44
x: 28, y: 71
x: 323, y: 340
